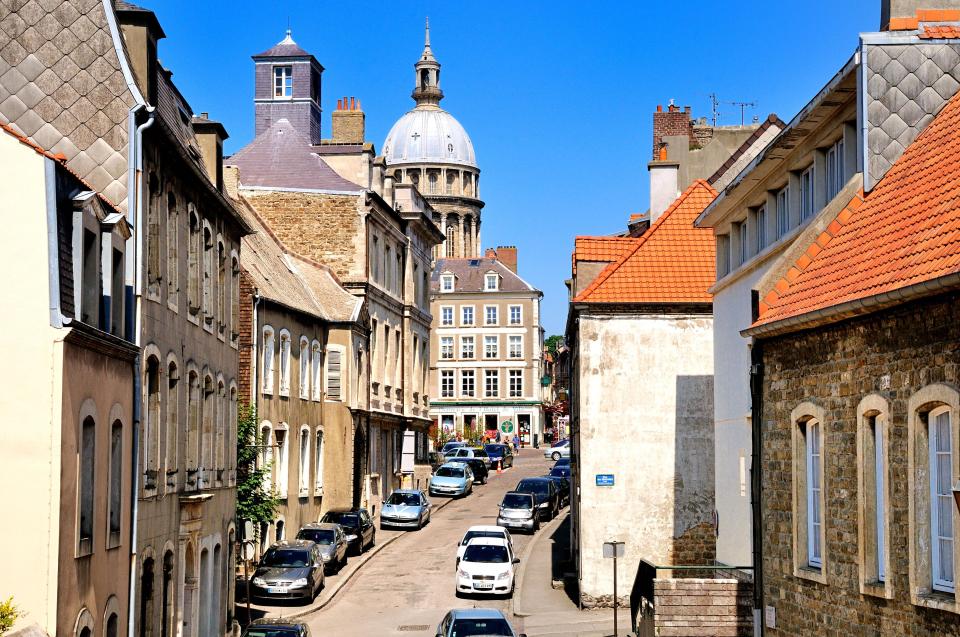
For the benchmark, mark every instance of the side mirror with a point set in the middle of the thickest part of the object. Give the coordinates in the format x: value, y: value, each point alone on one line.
x: 516, y: 560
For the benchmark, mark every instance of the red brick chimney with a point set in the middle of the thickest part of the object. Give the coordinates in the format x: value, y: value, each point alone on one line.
x: 672, y: 122
x: 490, y: 253
x: 507, y: 255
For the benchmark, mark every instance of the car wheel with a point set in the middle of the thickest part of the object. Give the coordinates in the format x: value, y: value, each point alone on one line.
x: 373, y: 540
x: 484, y: 481
x: 555, y: 456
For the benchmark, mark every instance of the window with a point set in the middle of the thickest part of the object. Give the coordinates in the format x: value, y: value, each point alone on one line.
x: 446, y: 315
x: 432, y: 181
x: 266, y: 457
x: 221, y: 288
x: 490, y: 315
x: 318, y: 450
x: 451, y: 177
x: 193, y: 424
x: 872, y: 482
x: 86, y: 485
x: 206, y: 438
x: 449, y: 242
x: 193, y: 262
x: 315, y: 360
x: 490, y: 346
x: 491, y: 282
x: 219, y: 436
x: 234, y: 299
x: 375, y: 260
x: 814, y: 493
x: 516, y: 314
x: 941, y: 499
x: 466, y: 347
x: 91, y: 285
x: 834, y: 170
x: 491, y: 379
x: 207, y: 274
x: 446, y: 383
x: 446, y: 283
x: 723, y: 255
x: 116, y: 485
x: 282, y: 81
x: 466, y: 315
x: 151, y: 426
x: 467, y: 383
x: 783, y: 211
x: 284, y: 363
x: 809, y: 501
x: 117, y: 293
x: 334, y: 373
x: 282, y: 454
x: 516, y: 383
x: 515, y: 346
x: 446, y: 347
x: 304, y: 367
x: 761, y: 228
x: 173, y: 406
x: 153, y: 237
x: 266, y: 366
x: 807, y: 206
x: 744, y: 242
x: 304, y: 460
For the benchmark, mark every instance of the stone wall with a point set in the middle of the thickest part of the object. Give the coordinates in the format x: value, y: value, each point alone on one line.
x: 891, y: 354
x: 700, y: 607
x: 695, y: 546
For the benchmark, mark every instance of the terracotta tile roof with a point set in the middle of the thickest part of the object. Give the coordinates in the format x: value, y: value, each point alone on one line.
x: 940, y: 32
x: 673, y: 262
x: 607, y: 249
x: 923, y: 15
x: 905, y: 232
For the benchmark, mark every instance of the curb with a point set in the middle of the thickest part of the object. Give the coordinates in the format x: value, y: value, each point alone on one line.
x: 349, y: 576
x: 544, y: 531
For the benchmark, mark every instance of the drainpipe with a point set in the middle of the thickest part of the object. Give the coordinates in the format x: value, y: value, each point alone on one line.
x: 135, y: 208
x: 253, y: 351
x: 756, y: 482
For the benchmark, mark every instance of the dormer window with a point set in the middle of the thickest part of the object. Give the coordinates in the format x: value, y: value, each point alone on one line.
x: 492, y: 282
x: 446, y: 283
x: 282, y: 82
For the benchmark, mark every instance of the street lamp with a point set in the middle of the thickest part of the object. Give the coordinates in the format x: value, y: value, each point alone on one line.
x: 614, y: 550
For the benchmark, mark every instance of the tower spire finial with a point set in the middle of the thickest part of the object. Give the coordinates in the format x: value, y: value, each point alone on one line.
x: 426, y: 41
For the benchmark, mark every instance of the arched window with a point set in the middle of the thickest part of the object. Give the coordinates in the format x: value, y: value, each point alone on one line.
x: 468, y: 184
x: 234, y: 297
x: 450, y: 243
x: 266, y: 366
x: 87, y: 484
x: 153, y: 237
x: 280, y: 529
x: 114, y: 512
x: 167, y: 596
x: 206, y: 592
x: 304, y: 461
x: 219, y: 437
x: 84, y: 624
x: 146, y: 596
x: 151, y: 425
x: 221, y: 289
x: 284, y: 363
x: 318, y: 451
x: 232, y: 435
x: 304, y: 367
x: 316, y: 360
x: 281, y: 458
x: 266, y: 453
x: 216, y: 587
x: 207, y: 274
x: 940, y: 434
x: 451, y: 179
x: 209, y: 413
x: 193, y: 425
x: 432, y: 181
x: 173, y: 406
x: 193, y: 262
x: 173, y: 251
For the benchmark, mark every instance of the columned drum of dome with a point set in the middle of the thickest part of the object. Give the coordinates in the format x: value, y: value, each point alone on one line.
x: 429, y: 148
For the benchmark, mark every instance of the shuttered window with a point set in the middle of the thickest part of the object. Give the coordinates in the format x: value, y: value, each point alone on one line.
x: 334, y: 360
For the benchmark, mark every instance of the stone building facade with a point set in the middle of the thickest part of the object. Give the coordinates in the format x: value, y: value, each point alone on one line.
x: 486, y: 348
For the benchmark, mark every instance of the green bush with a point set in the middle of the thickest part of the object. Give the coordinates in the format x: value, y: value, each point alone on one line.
x: 8, y: 615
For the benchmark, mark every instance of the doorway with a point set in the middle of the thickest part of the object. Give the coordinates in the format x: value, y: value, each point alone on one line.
x: 523, y: 425
x: 490, y: 425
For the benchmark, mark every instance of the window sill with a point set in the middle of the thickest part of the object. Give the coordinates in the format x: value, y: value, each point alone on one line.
x: 810, y: 573
x: 938, y: 601
x: 876, y: 588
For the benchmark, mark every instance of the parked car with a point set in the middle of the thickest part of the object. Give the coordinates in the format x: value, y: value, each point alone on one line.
x: 274, y: 627
x: 480, y: 471
x: 289, y: 570
x: 405, y: 508
x: 360, y: 531
x: 450, y: 446
x: 558, y: 450
x: 544, y: 491
x: 470, y: 452
x: 562, y: 462
x: 562, y: 470
x: 453, y: 478
x: 518, y: 511
x: 486, y: 567
x: 499, y: 453
x: 563, y: 488
x: 332, y: 542
x: 482, y: 531
x: 461, y: 622
x: 436, y: 459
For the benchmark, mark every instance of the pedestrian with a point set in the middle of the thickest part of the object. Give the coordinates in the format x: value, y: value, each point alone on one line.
x: 516, y: 443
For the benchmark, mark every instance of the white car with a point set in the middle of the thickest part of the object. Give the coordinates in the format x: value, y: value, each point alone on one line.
x: 487, y: 566
x: 482, y: 531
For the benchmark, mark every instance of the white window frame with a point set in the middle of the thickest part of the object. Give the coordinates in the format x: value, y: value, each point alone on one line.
x: 761, y: 218
x: 336, y: 355
x: 282, y: 457
x: 743, y: 236
x: 511, y: 340
x: 940, y: 493
x: 515, y: 375
x: 283, y: 82
x: 834, y: 168
x: 463, y: 315
x: 491, y: 282
x: 487, y: 314
x: 446, y: 283
x: 444, y: 321
x: 510, y: 313
x: 464, y: 353
x: 488, y: 340
x: 814, y: 487
x: 807, y: 193
x: 303, y: 460
x: 494, y: 375
x: 782, y: 197
x: 447, y: 383
x: 284, y: 362
x: 446, y: 348
x: 316, y: 362
x: 318, y: 462
x: 304, y: 368
x: 267, y: 363
x: 880, y: 470
x: 466, y: 374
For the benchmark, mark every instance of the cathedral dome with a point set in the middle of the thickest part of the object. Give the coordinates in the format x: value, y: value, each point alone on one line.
x: 428, y: 135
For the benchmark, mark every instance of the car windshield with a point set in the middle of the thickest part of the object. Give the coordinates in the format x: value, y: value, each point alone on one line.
x: 449, y: 472
x: 517, y: 501
x: 472, y: 534
x: 273, y: 631
x: 562, y: 443
x: 320, y: 536
x: 494, y: 449
x: 534, y: 486
x: 485, y: 553
x: 451, y: 445
x: 286, y: 558
x: 492, y: 626
x: 344, y: 519
x: 404, y: 499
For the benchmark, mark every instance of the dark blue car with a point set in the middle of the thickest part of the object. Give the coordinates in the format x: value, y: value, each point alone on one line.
x: 499, y: 453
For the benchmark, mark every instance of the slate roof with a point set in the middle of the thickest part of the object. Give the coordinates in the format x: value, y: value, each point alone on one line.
x: 284, y: 48
x: 291, y: 281
x: 673, y: 262
x: 470, y: 275
x: 280, y: 157
x: 906, y: 232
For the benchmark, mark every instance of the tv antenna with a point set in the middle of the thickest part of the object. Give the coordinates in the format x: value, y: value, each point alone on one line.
x: 714, y: 108
x: 743, y: 108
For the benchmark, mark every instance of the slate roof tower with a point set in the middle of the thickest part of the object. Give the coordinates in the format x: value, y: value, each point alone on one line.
x: 287, y: 86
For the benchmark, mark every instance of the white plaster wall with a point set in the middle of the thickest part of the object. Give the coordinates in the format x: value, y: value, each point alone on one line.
x: 731, y: 354
x: 29, y: 401
x: 663, y: 189
x: 629, y: 373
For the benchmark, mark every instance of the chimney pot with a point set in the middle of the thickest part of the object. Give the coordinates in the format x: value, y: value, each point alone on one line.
x: 686, y: 109
x: 353, y: 103
x: 659, y: 108
x: 205, y: 115
x: 339, y: 104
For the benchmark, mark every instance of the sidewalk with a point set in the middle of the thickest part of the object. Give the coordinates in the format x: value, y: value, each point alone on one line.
x: 543, y: 610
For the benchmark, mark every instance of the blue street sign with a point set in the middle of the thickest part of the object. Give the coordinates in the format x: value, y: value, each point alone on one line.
x: 604, y: 479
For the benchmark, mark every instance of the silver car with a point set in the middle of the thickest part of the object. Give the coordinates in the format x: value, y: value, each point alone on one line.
x: 558, y: 450
x: 331, y: 540
x: 405, y: 508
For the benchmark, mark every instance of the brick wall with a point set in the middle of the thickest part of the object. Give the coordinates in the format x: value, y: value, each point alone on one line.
x: 696, y: 546
x: 673, y: 121
x: 325, y: 228
x: 892, y: 353
x: 700, y: 608
x: 245, y: 340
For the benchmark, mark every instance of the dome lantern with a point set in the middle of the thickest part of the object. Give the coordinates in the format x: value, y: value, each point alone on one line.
x: 427, y: 82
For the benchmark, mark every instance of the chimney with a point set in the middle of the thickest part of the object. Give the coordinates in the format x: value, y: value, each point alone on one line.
x: 507, y: 255
x: 348, y: 122
x: 672, y: 122
x: 210, y: 135
x: 141, y: 31
x: 664, y: 175
x: 490, y: 253
x: 897, y: 15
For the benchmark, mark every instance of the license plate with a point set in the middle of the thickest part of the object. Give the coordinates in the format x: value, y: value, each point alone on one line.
x: 278, y: 590
x: 483, y: 585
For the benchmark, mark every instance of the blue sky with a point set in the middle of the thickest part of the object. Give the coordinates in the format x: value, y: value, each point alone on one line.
x: 557, y: 96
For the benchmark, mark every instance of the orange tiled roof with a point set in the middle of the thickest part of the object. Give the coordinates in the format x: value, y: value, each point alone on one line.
x: 940, y: 32
x: 637, y: 216
x: 600, y: 249
x: 924, y: 15
x: 905, y: 232
x: 673, y: 262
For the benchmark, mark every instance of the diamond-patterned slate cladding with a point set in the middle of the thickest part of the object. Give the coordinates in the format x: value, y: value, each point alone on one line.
x: 907, y: 84
x: 61, y: 86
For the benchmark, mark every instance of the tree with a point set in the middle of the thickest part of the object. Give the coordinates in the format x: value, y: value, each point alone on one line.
x: 256, y: 501
x: 553, y: 343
